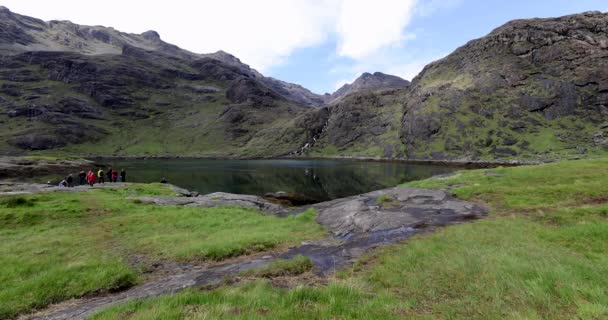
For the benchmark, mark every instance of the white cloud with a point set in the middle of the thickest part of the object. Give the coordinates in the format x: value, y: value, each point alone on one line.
x: 367, y: 26
x: 428, y: 7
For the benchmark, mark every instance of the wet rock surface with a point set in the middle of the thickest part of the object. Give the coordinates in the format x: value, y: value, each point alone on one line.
x: 358, y: 224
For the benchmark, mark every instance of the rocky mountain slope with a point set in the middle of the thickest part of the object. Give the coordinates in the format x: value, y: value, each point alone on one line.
x: 369, y: 82
x: 531, y: 89
x: 534, y: 88
x: 66, y: 87
x: 22, y: 33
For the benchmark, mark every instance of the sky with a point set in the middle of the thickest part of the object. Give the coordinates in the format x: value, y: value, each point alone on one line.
x: 320, y: 44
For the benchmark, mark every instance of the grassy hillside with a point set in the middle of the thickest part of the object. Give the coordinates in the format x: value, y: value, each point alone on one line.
x: 542, y: 254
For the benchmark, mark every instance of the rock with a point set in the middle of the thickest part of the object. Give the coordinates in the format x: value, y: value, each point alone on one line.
x: 247, y: 90
x: 289, y: 198
x: 167, y: 201
x: 183, y: 192
x: 219, y: 199
x: 151, y: 35
x: 366, y: 82
x: 392, y: 209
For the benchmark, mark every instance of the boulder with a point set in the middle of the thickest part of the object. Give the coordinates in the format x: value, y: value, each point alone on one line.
x: 289, y: 198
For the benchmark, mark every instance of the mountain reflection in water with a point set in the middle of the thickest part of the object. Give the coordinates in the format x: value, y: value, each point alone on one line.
x: 317, y: 179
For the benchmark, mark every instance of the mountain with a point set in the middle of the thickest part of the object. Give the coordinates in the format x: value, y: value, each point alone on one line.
x: 368, y: 81
x: 22, y: 33
x: 531, y: 89
x: 95, y: 90
x: 535, y: 88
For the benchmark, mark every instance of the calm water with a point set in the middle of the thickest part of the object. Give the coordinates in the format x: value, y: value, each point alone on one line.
x: 318, y: 179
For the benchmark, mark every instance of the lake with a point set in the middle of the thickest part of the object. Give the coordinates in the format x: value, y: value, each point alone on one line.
x: 317, y: 179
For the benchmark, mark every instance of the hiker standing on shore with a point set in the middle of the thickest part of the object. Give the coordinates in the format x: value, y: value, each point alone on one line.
x: 123, y: 175
x: 101, y: 176
x: 114, y: 175
x: 70, y: 180
x: 82, y: 177
x: 109, y: 174
x: 91, y: 178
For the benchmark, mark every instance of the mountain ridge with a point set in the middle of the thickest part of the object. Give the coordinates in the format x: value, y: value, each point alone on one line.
x: 532, y: 89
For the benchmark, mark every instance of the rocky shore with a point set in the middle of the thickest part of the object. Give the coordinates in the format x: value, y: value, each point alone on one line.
x: 463, y: 163
x: 13, y: 167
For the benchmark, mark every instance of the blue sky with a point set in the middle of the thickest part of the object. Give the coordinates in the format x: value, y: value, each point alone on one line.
x: 320, y: 44
x: 437, y: 33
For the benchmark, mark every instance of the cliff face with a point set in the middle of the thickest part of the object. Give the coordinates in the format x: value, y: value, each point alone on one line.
x: 531, y: 88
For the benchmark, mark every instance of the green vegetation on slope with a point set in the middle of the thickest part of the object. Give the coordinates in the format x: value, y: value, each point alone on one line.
x: 542, y: 254
x: 56, y: 246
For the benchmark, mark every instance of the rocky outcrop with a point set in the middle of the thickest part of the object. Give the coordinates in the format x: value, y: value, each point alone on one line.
x: 393, y: 209
x: 368, y: 82
x: 533, y: 88
x: 218, y: 199
x: 363, y: 123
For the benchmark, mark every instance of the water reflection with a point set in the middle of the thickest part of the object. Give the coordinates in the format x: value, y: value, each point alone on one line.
x: 318, y: 179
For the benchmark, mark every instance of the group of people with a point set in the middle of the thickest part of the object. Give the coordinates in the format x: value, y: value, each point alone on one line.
x: 91, y: 177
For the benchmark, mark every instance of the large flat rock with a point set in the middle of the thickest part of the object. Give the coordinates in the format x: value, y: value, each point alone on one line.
x: 219, y: 199
x: 394, y: 208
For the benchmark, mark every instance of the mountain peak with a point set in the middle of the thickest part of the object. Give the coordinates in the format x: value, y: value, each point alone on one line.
x: 151, y: 35
x: 369, y: 81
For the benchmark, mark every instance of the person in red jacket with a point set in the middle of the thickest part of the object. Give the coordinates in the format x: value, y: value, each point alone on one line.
x: 91, y: 178
x: 114, y: 175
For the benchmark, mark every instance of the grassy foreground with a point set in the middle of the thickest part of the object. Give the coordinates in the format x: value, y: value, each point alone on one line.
x: 56, y: 246
x: 542, y: 254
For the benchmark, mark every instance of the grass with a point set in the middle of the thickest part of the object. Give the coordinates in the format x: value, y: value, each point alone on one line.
x: 384, y: 198
x: 542, y: 254
x: 58, y: 246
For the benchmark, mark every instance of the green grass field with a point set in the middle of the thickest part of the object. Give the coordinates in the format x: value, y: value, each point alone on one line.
x: 542, y: 254
x: 57, y: 246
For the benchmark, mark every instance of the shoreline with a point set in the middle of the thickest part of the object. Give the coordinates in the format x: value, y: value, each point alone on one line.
x: 474, y: 164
